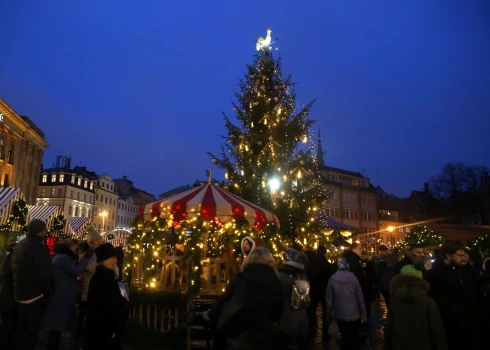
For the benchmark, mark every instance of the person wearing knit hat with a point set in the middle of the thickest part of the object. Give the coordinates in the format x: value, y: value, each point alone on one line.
x: 410, y: 270
x: 107, y: 309
x: 413, y: 321
x: 94, y: 240
x: 93, y: 237
x: 33, y: 284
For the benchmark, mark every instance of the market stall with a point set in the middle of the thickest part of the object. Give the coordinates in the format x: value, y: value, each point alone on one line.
x: 75, y: 226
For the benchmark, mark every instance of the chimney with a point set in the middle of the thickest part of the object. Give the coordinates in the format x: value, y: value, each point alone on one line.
x: 68, y: 163
x: 58, y: 161
x: 426, y: 187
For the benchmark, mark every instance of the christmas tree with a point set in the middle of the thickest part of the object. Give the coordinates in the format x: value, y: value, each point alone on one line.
x: 269, y: 155
x: 419, y: 234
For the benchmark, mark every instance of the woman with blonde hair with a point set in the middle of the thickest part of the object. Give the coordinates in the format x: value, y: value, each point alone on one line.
x: 244, y: 317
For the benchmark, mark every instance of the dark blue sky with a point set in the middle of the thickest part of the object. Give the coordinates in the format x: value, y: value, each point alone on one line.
x: 136, y: 87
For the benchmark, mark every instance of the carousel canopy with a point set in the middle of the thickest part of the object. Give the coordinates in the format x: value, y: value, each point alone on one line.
x: 210, y: 202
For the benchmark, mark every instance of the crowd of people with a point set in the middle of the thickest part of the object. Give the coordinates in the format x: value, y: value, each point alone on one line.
x: 433, y: 303
x: 41, y: 293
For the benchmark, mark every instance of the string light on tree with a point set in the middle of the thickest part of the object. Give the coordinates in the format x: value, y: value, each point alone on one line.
x: 278, y: 171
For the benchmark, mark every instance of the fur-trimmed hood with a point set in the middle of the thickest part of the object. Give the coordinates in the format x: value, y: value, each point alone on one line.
x: 408, y: 288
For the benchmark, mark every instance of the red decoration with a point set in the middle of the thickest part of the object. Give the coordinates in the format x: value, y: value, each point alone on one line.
x: 50, y: 242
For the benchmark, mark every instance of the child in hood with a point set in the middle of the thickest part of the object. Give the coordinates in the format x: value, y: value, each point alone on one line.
x: 413, y: 319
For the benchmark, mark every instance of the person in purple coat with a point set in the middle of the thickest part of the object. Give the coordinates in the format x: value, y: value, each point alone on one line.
x: 346, y: 305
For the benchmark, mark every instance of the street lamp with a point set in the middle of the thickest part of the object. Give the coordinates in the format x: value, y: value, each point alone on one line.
x: 104, y: 214
x: 391, y: 228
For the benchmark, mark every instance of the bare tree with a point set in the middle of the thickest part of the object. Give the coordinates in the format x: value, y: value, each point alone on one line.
x: 453, y: 178
x: 475, y: 174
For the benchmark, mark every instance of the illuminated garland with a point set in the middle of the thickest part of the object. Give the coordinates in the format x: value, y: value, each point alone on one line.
x: 269, y: 155
x: 419, y: 234
x: 58, y: 226
x: 18, y: 215
x: 480, y: 245
x: 149, y: 240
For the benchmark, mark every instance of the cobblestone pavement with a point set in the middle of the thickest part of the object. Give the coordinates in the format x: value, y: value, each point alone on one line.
x: 376, y: 322
x: 378, y: 315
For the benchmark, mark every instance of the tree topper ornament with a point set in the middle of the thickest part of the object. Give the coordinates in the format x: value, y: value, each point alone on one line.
x: 265, y: 44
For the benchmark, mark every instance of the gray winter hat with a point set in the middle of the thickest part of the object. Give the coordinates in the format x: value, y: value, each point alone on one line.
x: 343, y: 264
x: 294, y: 258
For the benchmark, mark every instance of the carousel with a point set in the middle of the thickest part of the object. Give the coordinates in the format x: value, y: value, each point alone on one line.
x: 189, y: 240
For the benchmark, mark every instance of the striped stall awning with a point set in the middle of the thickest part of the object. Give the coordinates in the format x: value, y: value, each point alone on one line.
x: 7, y: 197
x: 75, y: 225
x: 46, y: 213
x: 210, y: 202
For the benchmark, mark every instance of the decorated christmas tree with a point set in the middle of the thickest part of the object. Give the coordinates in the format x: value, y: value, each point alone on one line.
x: 419, y: 234
x: 269, y: 155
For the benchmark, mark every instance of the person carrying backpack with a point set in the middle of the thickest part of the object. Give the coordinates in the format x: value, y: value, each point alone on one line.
x: 246, y: 314
x: 293, y: 324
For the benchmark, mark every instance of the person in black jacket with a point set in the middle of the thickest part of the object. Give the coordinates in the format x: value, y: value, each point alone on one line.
x: 8, y: 307
x: 454, y: 291
x: 413, y: 255
x: 318, y: 272
x: 33, y: 284
x: 107, y: 309
x: 247, y: 312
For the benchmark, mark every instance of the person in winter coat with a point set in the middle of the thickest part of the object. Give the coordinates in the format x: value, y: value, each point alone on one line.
x: 346, y: 305
x: 246, y: 313
x: 413, y: 321
x: 455, y: 293
x: 318, y: 272
x: 33, y: 284
x: 8, y: 307
x: 385, y: 270
x: 62, y: 314
x: 413, y: 255
x: 107, y: 309
x: 248, y: 245
x: 483, y: 285
x: 294, y: 321
x: 353, y: 257
x: 94, y: 240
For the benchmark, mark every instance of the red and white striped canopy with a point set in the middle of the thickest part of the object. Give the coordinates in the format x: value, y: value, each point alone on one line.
x: 211, y: 202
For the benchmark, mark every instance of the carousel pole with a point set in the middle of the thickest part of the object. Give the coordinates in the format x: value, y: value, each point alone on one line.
x: 210, y: 176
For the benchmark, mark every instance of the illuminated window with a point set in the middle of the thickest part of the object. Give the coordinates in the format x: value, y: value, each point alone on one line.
x: 53, y: 178
x: 45, y: 178
x: 62, y: 177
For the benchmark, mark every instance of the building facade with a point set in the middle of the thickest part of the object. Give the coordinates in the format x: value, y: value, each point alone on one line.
x: 22, y: 147
x: 394, y: 216
x: 73, y: 190
x: 106, y: 199
x: 353, y: 201
x: 126, y: 211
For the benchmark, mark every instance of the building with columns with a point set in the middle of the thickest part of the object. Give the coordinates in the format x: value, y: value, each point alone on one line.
x: 22, y: 147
